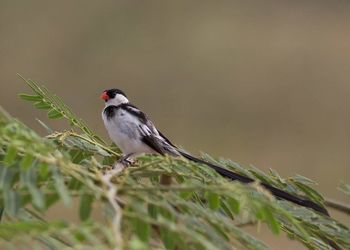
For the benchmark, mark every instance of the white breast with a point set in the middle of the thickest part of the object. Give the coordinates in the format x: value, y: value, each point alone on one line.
x: 124, y: 131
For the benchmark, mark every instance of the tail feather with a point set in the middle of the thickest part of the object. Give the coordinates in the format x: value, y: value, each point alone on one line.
x: 278, y: 193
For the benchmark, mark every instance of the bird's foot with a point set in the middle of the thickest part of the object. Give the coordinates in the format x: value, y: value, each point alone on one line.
x: 125, y: 160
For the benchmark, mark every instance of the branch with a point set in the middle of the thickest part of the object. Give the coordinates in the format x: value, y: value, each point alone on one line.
x: 342, y: 207
x: 111, y: 196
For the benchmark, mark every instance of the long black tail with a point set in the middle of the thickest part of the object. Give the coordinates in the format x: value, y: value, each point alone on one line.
x: 278, y: 193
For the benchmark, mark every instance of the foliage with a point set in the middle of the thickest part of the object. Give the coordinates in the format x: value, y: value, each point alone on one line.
x: 345, y: 188
x: 199, y: 210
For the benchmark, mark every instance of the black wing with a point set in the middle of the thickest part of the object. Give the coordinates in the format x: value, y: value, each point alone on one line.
x: 150, y: 135
x: 153, y: 143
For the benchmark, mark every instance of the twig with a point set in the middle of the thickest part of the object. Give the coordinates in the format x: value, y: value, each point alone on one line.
x: 246, y: 223
x: 342, y: 207
x: 111, y: 195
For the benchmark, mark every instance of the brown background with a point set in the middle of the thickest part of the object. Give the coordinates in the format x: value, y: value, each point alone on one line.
x: 260, y: 82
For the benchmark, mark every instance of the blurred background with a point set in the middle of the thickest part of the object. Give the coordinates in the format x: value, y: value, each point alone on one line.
x: 265, y: 83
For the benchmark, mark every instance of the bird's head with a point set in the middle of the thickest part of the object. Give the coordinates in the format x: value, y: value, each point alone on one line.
x: 114, y: 97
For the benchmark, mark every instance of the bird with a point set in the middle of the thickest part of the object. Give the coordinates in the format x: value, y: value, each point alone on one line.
x: 135, y: 134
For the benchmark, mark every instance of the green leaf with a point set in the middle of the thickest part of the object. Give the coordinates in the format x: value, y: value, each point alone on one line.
x: 344, y: 187
x: 51, y: 101
x: 304, y: 180
x: 227, y: 210
x: 137, y: 244
x: 186, y: 195
x: 85, y: 206
x: 152, y: 211
x: 74, y: 184
x: 168, y: 239
x: 25, y: 199
x: 213, y: 200
x: 10, y: 156
x: 29, y: 179
x: 54, y: 114
x: 234, y: 205
x: 141, y: 229
x: 12, y: 229
x: 26, y: 161
x: 51, y: 199
x: 43, y: 170
x: 277, y: 176
x: 42, y: 105
x: 271, y: 221
x: 11, y: 198
x: 310, y: 192
x: 60, y: 186
x: 78, y: 235
x: 37, y: 197
x: 30, y: 97
x: 3, y: 173
x: 6, y: 176
x: 12, y: 202
x: 77, y: 156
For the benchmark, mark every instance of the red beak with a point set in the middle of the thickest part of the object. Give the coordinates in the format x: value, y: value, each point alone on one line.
x: 104, y: 96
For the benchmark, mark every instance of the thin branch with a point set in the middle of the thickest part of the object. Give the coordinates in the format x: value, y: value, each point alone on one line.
x: 111, y: 195
x: 337, y: 205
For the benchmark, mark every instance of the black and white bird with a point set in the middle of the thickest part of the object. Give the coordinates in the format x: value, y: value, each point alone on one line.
x: 131, y: 130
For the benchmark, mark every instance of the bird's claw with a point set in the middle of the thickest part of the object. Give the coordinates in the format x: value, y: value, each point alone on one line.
x: 125, y: 160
